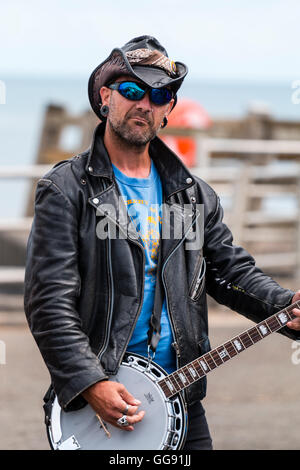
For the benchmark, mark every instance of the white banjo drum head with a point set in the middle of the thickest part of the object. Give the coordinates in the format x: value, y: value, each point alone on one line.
x: 163, y: 426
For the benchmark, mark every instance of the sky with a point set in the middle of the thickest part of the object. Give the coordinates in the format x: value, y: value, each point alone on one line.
x: 218, y: 39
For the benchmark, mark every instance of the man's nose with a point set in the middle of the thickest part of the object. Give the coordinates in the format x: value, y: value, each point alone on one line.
x: 145, y: 103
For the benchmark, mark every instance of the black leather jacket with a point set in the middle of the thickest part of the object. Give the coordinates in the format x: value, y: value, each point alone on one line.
x: 83, y: 294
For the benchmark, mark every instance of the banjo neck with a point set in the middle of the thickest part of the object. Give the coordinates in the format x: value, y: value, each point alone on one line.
x: 195, y: 370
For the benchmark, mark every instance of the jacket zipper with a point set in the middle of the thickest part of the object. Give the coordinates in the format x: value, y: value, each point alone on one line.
x: 197, y: 287
x: 140, y: 305
x: 109, y: 319
x: 167, y: 300
x: 171, y: 323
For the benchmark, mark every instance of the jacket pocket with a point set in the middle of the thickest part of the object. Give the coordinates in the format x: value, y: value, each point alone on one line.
x: 198, y: 282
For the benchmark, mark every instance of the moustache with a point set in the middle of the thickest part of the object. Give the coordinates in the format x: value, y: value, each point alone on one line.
x: 140, y: 116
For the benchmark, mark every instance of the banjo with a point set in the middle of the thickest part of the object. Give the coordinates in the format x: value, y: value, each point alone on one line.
x: 164, y: 425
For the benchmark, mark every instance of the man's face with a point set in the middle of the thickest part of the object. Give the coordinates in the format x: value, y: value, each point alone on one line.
x: 135, y: 122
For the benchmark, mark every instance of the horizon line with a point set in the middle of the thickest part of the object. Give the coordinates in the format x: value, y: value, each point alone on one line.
x: 192, y: 78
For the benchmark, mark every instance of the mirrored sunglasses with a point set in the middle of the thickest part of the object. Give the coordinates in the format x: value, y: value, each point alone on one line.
x: 136, y: 91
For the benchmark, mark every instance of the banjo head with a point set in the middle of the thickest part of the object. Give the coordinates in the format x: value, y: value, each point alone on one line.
x: 163, y: 426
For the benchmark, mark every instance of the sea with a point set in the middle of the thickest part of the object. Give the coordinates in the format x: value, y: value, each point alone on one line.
x: 23, y: 101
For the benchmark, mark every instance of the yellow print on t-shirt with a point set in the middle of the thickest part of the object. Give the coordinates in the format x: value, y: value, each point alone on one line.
x: 150, y: 230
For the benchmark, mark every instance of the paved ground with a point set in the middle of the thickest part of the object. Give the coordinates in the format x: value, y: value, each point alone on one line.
x: 252, y: 403
x: 253, y: 400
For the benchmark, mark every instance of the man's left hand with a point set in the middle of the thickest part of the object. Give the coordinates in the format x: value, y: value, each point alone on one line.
x: 295, y: 324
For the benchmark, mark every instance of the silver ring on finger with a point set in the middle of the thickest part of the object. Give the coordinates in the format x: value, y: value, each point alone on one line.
x: 123, y: 421
x: 126, y: 409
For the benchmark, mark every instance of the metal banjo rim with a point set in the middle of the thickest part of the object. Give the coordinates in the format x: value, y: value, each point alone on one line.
x: 175, y: 407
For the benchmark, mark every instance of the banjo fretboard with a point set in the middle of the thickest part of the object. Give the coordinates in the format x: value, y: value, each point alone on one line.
x: 200, y: 367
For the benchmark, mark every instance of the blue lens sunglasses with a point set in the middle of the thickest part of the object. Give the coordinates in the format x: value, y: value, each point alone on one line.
x: 135, y: 91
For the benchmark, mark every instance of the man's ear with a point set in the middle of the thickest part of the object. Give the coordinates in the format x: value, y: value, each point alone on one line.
x: 170, y: 106
x: 105, y: 95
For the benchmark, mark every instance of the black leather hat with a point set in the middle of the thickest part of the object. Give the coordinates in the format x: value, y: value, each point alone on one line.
x: 145, y: 59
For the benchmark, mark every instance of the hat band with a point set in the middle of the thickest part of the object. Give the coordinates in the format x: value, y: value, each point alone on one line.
x: 152, y: 58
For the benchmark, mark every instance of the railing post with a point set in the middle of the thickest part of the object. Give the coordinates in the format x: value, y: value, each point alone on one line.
x: 2, y: 352
x: 202, y: 154
x: 240, y: 203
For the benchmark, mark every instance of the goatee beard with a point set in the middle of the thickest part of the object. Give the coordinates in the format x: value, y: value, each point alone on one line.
x: 131, y: 138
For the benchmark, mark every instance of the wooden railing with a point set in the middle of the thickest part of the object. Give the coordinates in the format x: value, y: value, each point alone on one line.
x: 273, y: 238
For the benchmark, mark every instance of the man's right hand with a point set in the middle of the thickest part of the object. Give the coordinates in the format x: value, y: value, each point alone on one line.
x: 110, y: 399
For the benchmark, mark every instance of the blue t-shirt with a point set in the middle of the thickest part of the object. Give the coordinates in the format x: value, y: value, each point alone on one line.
x: 143, y: 198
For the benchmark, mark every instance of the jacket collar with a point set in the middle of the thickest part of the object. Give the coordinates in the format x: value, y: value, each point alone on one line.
x: 174, y: 175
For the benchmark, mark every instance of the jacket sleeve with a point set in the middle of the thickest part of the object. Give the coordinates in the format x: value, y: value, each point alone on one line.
x: 234, y: 280
x: 51, y: 290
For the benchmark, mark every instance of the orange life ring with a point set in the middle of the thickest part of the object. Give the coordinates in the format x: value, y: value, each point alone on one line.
x: 190, y: 115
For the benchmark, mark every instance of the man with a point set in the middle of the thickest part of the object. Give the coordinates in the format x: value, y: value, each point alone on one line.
x: 89, y: 297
